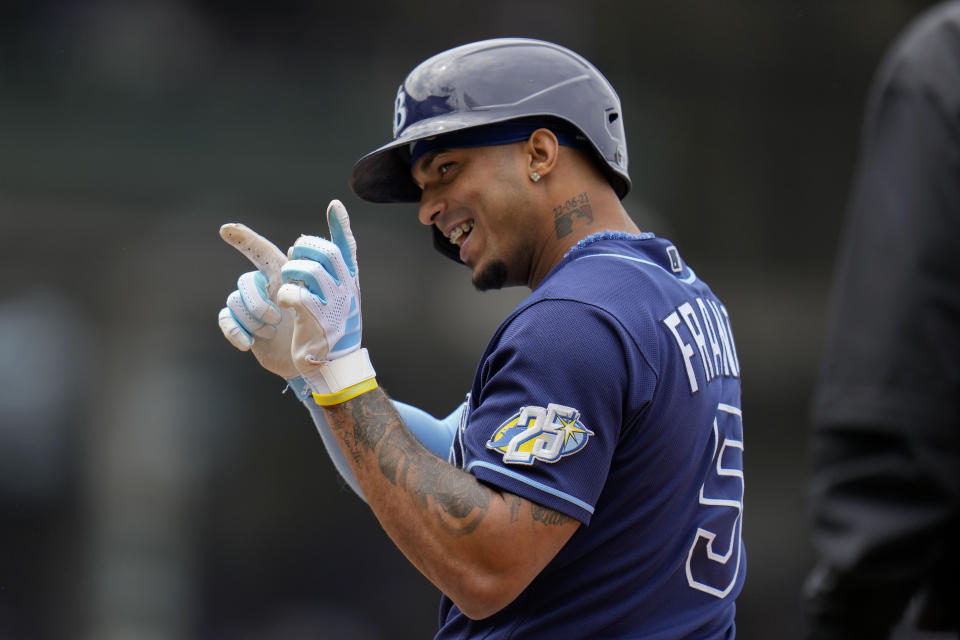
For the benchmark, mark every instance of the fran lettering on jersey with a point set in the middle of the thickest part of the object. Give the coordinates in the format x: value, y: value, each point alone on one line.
x: 702, y: 331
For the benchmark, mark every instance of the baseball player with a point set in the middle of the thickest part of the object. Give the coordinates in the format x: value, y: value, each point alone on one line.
x: 591, y: 485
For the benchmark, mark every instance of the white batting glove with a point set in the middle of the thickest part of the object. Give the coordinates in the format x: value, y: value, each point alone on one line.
x: 251, y: 320
x: 321, y: 282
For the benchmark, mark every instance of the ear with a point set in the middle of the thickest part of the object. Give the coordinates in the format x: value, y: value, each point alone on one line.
x: 542, y: 151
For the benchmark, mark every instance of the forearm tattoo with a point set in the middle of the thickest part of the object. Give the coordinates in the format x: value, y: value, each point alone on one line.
x: 368, y: 424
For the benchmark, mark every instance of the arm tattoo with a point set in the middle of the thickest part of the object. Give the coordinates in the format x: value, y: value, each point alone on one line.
x: 369, y: 424
x: 548, y: 516
x: 515, y: 503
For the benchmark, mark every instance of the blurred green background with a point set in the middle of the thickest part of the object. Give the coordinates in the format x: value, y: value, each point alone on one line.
x: 154, y: 482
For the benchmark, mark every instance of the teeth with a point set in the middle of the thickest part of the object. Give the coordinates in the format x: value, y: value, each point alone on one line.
x: 458, y: 232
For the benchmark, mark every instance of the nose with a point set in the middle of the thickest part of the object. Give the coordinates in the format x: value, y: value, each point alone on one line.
x: 430, y: 208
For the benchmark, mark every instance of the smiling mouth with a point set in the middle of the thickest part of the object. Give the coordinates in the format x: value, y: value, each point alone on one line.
x: 460, y: 232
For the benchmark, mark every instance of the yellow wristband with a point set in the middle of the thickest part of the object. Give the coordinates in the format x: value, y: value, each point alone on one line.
x: 351, y: 392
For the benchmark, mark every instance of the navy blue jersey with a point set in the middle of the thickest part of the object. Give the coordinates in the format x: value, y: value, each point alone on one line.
x: 612, y: 395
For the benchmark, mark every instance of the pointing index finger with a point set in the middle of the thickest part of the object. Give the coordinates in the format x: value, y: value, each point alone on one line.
x: 261, y: 252
x: 341, y: 235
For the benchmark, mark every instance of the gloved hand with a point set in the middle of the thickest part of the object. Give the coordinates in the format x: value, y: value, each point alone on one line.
x: 321, y: 282
x: 251, y: 319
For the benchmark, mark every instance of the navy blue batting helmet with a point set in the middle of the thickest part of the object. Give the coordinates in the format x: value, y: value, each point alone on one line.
x: 494, y: 81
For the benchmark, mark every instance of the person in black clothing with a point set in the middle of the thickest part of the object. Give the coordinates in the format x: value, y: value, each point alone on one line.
x: 885, y: 486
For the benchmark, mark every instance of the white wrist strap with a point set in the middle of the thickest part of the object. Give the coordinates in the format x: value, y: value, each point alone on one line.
x: 342, y: 379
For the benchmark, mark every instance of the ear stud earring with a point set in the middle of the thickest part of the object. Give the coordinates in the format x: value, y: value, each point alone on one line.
x: 535, y: 176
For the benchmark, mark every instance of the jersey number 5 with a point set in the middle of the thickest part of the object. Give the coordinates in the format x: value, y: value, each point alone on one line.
x: 713, y: 562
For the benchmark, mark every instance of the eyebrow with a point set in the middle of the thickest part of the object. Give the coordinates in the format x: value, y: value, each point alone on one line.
x: 424, y: 164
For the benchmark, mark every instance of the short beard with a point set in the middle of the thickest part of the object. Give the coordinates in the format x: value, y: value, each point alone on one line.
x: 492, y: 276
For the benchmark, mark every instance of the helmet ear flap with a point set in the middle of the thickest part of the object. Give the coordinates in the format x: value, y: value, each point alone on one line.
x: 442, y: 244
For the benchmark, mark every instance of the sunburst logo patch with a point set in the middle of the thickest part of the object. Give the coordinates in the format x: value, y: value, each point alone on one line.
x: 538, y: 433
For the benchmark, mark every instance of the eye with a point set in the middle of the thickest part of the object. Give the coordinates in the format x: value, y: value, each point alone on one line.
x: 444, y: 168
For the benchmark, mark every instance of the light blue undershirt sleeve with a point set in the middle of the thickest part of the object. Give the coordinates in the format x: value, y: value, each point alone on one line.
x: 436, y: 435
x: 337, y: 457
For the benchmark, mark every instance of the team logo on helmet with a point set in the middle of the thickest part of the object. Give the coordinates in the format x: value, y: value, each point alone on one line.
x: 399, y: 111
x: 537, y: 433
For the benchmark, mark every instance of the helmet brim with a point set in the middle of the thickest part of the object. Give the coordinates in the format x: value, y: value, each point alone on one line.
x: 383, y: 175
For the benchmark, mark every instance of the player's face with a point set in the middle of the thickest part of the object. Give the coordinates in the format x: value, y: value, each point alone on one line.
x: 478, y: 199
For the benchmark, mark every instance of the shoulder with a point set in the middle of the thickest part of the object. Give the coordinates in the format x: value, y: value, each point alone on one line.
x: 564, y: 330
x: 603, y: 301
x: 926, y: 56
x: 550, y: 326
x: 631, y: 277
